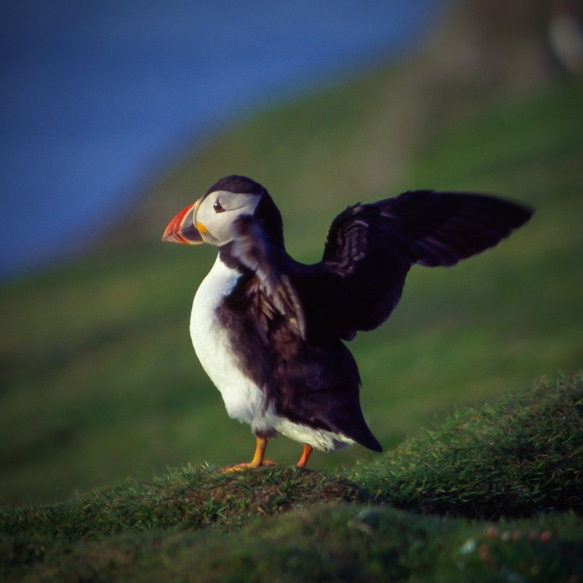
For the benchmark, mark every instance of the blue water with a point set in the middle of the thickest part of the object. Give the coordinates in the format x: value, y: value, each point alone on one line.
x: 95, y: 96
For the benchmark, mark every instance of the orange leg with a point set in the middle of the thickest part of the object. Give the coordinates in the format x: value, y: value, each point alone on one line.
x: 308, y: 449
x: 258, y: 458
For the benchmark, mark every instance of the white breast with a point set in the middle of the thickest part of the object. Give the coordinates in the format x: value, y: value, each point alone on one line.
x: 243, y: 399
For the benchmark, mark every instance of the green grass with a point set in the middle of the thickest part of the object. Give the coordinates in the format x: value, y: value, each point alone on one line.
x: 518, y: 460
x: 516, y: 457
x: 354, y: 544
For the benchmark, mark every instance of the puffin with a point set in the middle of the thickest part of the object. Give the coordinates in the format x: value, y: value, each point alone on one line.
x: 271, y: 332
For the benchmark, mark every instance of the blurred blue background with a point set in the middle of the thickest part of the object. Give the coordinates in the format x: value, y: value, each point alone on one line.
x: 97, y: 96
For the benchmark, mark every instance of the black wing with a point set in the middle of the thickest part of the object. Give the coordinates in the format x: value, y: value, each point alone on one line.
x: 371, y: 247
x: 273, y: 294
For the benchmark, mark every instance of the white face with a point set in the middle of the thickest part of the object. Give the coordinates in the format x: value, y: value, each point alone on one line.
x: 218, y: 211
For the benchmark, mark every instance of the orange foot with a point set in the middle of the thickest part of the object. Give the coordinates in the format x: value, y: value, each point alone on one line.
x: 257, y: 461
x: 246, y: 465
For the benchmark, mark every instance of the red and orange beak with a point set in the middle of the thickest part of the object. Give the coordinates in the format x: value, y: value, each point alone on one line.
x: 182, y: 228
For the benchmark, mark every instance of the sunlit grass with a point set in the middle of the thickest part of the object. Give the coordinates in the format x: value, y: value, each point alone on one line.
x: 512, y: 467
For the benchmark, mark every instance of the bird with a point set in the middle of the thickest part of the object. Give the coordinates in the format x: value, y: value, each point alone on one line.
x: 271, y: 332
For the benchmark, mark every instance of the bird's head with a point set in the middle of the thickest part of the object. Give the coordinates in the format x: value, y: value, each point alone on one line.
x: 211, y: 218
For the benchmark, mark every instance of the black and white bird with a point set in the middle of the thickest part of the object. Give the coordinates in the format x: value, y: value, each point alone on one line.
x: 269, y: 330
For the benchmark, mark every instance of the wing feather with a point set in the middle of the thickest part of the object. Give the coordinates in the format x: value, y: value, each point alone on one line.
x: 371, y: 247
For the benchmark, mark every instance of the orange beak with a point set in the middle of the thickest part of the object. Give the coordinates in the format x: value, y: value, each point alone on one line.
x: 182, y: 229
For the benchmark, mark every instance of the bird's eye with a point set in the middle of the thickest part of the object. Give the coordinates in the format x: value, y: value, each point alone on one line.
x: 218, y: 207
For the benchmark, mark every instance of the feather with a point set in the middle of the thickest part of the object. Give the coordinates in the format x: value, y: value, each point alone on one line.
x: 371, y: 247
x: 278, y: 295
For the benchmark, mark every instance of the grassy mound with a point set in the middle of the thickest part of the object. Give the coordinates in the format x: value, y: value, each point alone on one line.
x: 185, y: 499
x: 512, y: 459
x: 518, y: 456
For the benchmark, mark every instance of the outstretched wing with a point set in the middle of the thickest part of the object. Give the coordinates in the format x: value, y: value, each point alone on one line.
x: 272, y: 293
x: 371, y: 247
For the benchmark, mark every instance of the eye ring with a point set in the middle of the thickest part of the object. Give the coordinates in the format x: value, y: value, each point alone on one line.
x: 218, y: 207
